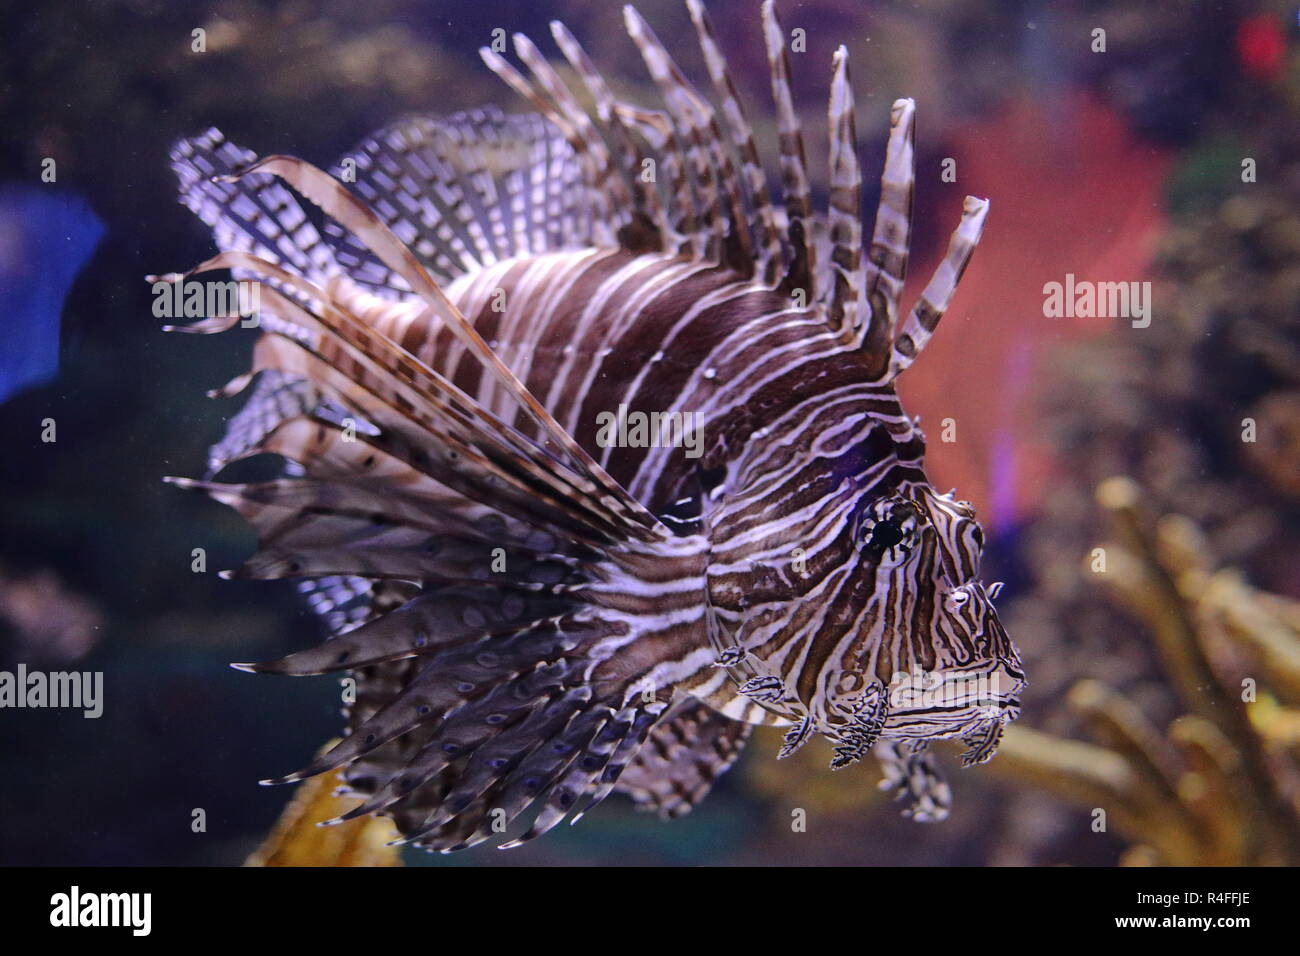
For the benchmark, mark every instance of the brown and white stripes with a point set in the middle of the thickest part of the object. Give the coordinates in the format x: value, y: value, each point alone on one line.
x: 532, y: 617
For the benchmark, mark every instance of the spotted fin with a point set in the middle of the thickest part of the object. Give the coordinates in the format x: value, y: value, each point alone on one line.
x: 463, y: 191
x: 690, y: 747
x: 486, y: 691
x: 257, y: 215
x: 913, y: 776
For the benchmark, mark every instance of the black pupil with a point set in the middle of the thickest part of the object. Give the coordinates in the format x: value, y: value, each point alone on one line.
x: 885, y: 534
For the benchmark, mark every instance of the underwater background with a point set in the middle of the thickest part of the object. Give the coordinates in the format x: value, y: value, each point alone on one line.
x: 1164, y: 679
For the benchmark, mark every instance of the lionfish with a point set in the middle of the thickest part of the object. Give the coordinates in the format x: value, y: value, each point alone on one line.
x: 533, y: 616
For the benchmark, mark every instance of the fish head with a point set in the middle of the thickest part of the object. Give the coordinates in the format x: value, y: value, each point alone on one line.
x: 926, y: 656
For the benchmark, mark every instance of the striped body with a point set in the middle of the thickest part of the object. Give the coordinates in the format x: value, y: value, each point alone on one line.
x: 531, y: 611
x: 783, y: 408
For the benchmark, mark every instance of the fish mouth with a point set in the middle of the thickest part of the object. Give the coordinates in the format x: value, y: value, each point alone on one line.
x: 947, y: 704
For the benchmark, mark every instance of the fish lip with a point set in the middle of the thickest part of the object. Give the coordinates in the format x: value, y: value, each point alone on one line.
x: 1003, y: 675
x: 899, y: 726
x: 949, y: 718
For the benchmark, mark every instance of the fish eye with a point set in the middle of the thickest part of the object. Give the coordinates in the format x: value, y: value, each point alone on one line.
x: 889, y: 526
x: 885, y: 534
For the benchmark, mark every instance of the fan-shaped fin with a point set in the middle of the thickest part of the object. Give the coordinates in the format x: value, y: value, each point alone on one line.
x: 309, y: 528
x: 690, y: 747
x: 321, y: 189
x: 561, y: 101
x: 603, y: 234
x: 910, y: 771
x: 488, y: 721
x: 471, y: 690
x: 464, y: 190
x: 520, y: 785
x: 346, y: 603
x: 436, y: 619
x: 502, y: 751
x: 393, y: 389
x: 622, y: 734
x: 256, y: 215
x: 275, y: 398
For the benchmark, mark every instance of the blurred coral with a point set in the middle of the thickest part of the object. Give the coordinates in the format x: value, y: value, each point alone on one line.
x: 298, y: 840
x: 1200, y: 409
x: 1220, y: 786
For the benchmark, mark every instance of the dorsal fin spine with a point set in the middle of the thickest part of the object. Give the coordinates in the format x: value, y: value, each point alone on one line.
x: 802, y: 267
x: 845, y: 207
x: 763, y: 219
